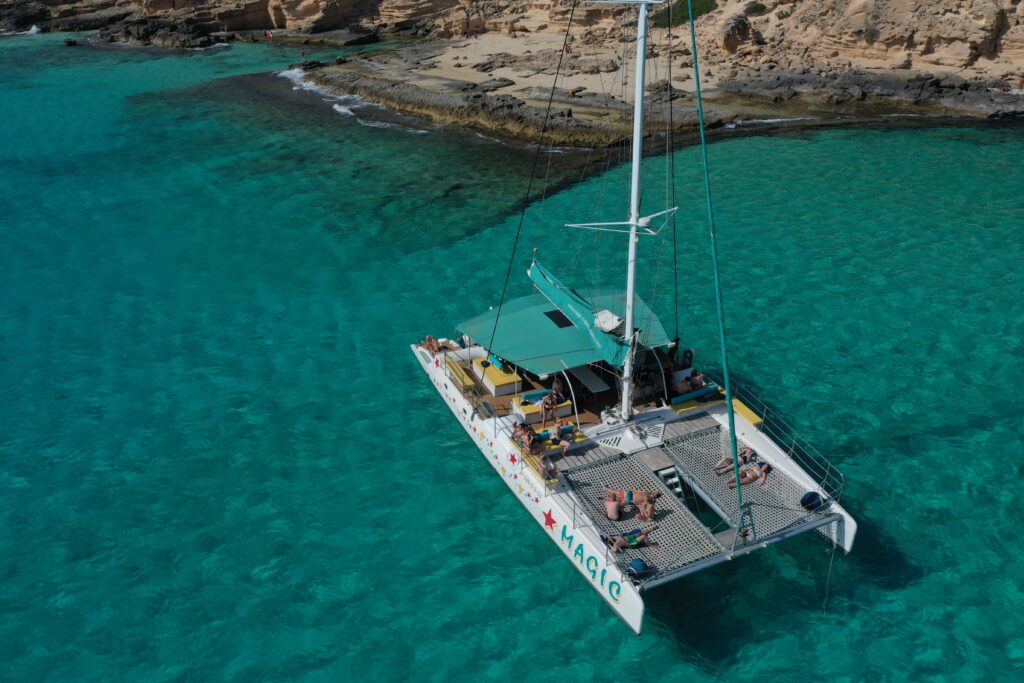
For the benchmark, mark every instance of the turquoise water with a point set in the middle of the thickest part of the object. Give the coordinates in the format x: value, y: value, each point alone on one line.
x: 219, y: 461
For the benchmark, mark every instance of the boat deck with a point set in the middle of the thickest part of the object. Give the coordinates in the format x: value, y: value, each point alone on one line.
x: 695, y: 522
x: 588, y: 407
x: 682, y: 538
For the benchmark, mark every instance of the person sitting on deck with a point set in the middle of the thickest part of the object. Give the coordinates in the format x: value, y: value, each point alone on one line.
x: 746, y: 455
x: 431, y: 344
x: 549, y: 407
x: 696, y: 381
x: 627, y: 497
x: 550, y: 469
x: 751, y: 472
x: 634, y: 539
x: 524, y: 433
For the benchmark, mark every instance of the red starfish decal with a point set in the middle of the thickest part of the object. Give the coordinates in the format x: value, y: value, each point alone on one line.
x: 512, y: 458
x: 549, y: 520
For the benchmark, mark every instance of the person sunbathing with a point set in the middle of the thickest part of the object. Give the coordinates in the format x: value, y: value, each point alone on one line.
x: 645, y: 511
x: 627, y: 497
x: 746, y: 455
x: 751, y: 472
x: 633, y: 539
x: 431, y: 344
x: 612, y: 508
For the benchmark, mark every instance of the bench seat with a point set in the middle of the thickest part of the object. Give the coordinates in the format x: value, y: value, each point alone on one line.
x: 458, y: 375
x: 529, y: 413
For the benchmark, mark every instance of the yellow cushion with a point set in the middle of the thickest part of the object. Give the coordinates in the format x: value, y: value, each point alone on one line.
x: 493, y: 375
x: 532, y: 408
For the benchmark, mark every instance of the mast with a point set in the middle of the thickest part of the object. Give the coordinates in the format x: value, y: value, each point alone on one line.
x: 626, y: 408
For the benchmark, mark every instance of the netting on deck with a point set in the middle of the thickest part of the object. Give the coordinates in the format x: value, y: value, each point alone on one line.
x: 775, y: 506
x: 682, y: 539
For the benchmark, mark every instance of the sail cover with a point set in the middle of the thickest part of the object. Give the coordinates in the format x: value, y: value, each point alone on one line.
x: 554, y: 328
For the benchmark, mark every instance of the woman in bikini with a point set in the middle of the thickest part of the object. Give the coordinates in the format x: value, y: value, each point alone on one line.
x: 549, y: 408
x: 627, y: 497
x: 751, y: 472
x: 746, y: 454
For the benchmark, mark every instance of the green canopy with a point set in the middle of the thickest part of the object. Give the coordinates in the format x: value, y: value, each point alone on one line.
x: 553, y: 328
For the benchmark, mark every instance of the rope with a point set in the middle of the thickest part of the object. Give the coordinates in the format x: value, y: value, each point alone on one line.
x: 672, y: 171
x: 533, y: 173
x: 714, y: 258
x: 828, y: 578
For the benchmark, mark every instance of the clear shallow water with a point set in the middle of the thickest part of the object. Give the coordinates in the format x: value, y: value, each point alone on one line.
x: 218, y: 460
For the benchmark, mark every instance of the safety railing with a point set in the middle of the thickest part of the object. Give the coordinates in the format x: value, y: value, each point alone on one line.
x: 797, y: 448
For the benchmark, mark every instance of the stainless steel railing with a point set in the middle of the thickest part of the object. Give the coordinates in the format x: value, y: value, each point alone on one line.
x: 816, y: 465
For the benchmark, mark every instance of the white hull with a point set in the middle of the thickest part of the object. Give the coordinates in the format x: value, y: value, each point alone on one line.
x: 553, y: 510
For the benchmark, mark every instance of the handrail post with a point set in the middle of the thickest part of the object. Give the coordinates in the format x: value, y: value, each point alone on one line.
x: 575, y: 408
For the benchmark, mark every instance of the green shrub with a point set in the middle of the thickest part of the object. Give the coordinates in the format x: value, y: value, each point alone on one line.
x: 681, y: 12
x: 754, y: 9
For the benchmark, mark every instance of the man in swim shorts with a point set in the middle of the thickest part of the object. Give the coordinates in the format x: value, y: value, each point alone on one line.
x: 634, y: 539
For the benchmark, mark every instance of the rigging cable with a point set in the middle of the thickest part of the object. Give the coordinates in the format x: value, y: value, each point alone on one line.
x: 714, y: 260
x: 672, y: 167
x: 533, y: 173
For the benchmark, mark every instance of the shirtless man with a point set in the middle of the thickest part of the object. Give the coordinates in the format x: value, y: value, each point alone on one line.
x: 637, y: 539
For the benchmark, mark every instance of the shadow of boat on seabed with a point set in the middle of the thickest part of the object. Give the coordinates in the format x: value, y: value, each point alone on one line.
x: 715, y: 613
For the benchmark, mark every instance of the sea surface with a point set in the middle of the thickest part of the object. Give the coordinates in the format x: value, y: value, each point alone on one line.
x: 219, y: 461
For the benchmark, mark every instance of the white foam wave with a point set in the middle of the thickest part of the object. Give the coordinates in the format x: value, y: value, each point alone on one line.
x: 31, y: 32
x: 344, y: 111
x: 215, y: 46
x: 385, y: 124
x: 762, y: 122
x: 295, y: 76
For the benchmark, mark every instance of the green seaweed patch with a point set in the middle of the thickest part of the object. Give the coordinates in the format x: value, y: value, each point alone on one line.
x: 679, y: 12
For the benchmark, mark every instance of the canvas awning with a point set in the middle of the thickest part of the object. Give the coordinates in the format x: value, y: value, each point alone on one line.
x: 553, y: 329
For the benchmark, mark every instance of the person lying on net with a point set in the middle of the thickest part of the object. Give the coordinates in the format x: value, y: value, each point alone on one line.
x: 751, y: 472
x: 724, y: 465
x: 627, y: 497
x: 633, y: 539
x: 645, y: 511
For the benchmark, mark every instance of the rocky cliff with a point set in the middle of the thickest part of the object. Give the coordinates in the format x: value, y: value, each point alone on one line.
x: 886, y: 34
x: 842, y: 48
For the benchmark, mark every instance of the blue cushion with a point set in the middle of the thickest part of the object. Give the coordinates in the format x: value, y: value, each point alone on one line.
x: 496, y: 362
x: 704, y: 391
x: 534, y: 396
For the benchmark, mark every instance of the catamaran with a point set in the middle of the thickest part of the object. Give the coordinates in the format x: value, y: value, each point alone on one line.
x: 650, y: 470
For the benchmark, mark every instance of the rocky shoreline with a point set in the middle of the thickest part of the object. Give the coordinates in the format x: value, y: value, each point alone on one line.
x: 497, y: 78
x: 586, y: 119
